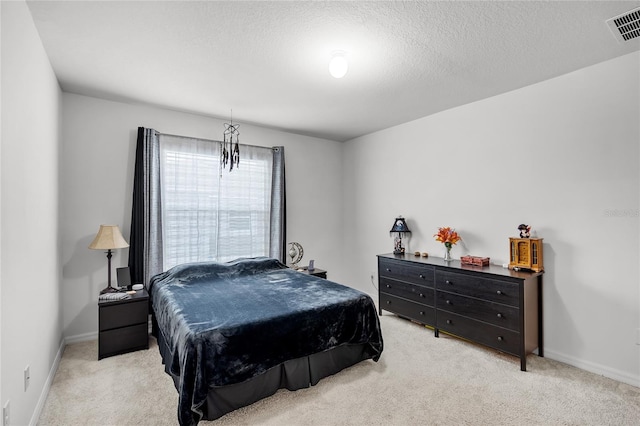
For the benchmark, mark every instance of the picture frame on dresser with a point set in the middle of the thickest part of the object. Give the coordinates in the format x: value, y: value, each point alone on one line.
x: 493, y: 306
x: 123, y: 277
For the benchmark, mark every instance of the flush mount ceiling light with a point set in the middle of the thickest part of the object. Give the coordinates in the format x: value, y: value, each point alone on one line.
x: 338, y: 65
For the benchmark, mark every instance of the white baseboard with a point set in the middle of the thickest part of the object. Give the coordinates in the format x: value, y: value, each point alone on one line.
x: 81, y: 337
x: 47, y: 385
x: 592, y: 367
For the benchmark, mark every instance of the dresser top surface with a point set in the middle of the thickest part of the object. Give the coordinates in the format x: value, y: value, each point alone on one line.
x: 455, y: 265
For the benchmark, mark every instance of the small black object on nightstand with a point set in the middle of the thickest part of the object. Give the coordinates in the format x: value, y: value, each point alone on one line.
x: 124, y: 278
x: 123, y: 325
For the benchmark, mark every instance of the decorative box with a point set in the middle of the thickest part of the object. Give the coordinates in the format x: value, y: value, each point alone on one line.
x: 526, y: 253
x: 474, y: 260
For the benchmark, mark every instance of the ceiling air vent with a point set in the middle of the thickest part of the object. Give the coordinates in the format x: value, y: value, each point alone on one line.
x: 625, y: 27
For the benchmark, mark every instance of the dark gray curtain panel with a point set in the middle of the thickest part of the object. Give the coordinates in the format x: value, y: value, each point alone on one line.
x: 278, y: 207
x: 145, y: 251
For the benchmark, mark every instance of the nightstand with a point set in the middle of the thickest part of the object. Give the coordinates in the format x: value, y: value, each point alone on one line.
x: 123, y: 325
x: 316, y: 272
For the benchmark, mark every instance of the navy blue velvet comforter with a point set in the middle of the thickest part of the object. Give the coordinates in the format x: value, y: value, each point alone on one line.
x: 225, y: 323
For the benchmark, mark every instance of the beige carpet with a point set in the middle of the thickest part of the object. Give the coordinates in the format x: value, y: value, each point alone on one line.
x: 419, y: 380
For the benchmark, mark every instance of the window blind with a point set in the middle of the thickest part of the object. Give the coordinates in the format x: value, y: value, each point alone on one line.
x: 209, y: 215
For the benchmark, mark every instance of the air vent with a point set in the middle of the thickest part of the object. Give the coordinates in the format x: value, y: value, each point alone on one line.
x: 625, y: 27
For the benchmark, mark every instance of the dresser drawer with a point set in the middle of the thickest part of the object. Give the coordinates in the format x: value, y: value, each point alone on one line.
x: 121, y: 340
x: 118, y: 314
x: 504, y: 292
x: 406, y: 271
x: 496, y: 337
x: 407, y: 290
x: 405, y: 308
x: 494, y: 313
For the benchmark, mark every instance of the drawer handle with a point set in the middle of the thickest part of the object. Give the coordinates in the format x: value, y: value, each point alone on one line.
x: 448, y: 302
x: 500, y: 338
x: 422, y: 276
x: 388, y: 286
x: 421, y: 295
x: 499, y: 315
x: 388, y: 302
x: 421, y: 312
x: 448, y: 321
x: 498, y: 292
x: 448, y: 282
x: 388, y: 270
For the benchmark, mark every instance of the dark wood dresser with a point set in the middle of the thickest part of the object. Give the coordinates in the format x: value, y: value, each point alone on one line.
x: 123, y: 325
x: 494, y: 306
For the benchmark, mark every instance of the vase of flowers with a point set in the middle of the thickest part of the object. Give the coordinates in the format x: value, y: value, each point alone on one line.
x: 449, y: 237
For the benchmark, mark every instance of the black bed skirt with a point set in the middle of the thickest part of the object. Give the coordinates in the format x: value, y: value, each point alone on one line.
x: 294, y: 374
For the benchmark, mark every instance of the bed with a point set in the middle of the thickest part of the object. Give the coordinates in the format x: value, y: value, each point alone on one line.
x: 233, y: 333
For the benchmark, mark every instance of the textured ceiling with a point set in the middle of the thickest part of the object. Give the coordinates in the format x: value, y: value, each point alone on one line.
x: 268, y: 61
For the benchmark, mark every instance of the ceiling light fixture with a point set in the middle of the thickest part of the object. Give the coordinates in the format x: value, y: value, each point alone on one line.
x: 338, y: 65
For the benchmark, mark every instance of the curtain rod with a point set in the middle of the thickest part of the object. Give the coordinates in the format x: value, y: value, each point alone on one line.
x: 215, y: 141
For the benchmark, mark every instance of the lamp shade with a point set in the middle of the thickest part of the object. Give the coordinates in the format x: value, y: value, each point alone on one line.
x: 400, y: 225
x: 107, y: 238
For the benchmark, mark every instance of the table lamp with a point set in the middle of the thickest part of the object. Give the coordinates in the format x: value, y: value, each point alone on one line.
x: 108, y: 238
x: 400, y: 229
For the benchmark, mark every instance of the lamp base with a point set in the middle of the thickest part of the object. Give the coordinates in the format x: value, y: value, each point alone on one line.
x: 109, y: 289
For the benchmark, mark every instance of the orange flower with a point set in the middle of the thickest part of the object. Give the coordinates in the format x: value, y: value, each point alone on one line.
x: 447, y: 236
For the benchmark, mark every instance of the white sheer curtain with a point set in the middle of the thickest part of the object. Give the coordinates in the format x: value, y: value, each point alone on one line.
x: 209, y: 215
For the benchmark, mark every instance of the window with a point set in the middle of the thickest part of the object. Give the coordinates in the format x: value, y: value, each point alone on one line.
x: 209, y: 215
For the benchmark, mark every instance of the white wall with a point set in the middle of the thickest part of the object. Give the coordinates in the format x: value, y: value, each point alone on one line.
x: 99, y: 140
x: 30, y: 252
x: 562, y: 156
